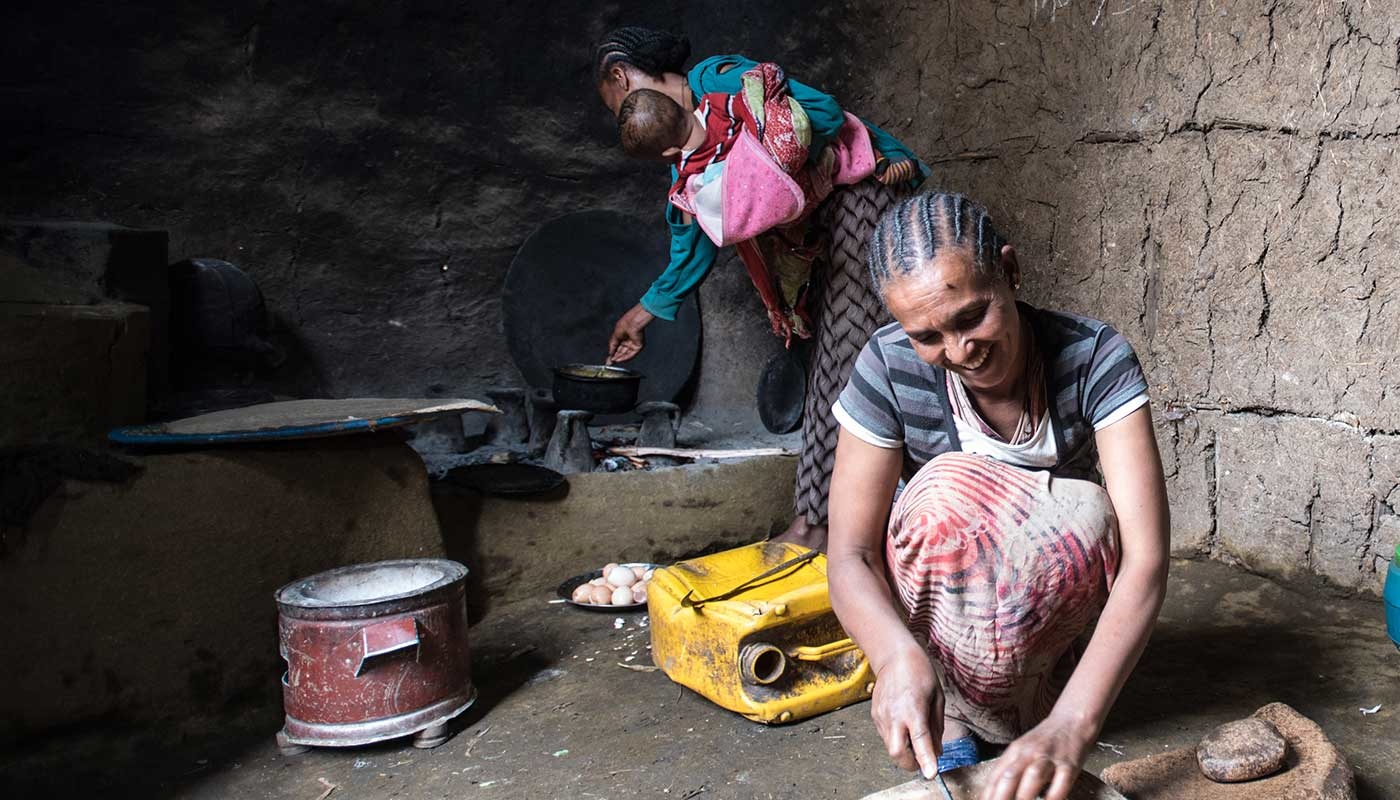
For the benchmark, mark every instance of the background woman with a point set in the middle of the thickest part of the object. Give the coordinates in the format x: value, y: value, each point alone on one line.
x: 847, y: 310
x: 1002, y: 548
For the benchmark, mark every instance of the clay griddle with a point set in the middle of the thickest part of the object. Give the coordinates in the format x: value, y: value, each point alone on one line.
x: 295, y: 419
x: 569, y: 283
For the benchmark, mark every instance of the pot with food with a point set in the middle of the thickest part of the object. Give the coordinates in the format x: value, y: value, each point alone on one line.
x: 602, y: 389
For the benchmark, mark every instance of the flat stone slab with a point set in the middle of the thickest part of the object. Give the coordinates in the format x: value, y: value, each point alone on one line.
x: 1242, y: 750
x: 966, y: 783
x: 1313, y: 770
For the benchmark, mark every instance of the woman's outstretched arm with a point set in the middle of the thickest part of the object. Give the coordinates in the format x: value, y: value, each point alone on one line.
x: 907, y: 705
x: 692, y: 257
x: 1048, y: 758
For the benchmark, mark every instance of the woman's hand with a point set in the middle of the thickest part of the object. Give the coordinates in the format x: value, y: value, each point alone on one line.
x: 628, y: 338
x: 1046, y: 759
x: 907, y: 706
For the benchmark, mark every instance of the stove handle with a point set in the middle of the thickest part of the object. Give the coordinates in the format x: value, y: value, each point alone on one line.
x: 383, y: 641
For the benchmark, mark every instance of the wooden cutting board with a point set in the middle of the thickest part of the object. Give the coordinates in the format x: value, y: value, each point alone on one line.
x: 966, y: 783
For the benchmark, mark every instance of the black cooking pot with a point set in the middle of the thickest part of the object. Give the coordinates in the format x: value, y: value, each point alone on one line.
x: 600, y: 389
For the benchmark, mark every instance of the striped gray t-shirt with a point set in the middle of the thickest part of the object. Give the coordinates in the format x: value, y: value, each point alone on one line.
x: 1091, y: 374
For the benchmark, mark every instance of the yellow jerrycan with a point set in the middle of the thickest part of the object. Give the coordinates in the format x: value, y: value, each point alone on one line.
x: 752, y: 630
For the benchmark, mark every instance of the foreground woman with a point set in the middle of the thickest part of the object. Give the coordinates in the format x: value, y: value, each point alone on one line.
x: 971, y: 592
x: 845, y: 310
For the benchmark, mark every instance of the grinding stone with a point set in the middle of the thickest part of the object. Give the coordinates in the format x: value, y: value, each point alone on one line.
x: 1315, y: 770
x: 1241, y: 751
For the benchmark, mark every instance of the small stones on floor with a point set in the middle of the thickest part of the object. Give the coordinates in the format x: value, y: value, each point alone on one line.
x: 1242, y: 751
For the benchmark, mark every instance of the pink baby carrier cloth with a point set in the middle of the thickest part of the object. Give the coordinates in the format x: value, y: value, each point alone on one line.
x: 755, y: 194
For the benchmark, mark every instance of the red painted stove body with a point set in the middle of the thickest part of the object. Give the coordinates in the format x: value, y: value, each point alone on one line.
x: 363, y: 667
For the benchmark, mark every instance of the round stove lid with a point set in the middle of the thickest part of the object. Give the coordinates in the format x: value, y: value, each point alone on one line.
x: 371, y: 584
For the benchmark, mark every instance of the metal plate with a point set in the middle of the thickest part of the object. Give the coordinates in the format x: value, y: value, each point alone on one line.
x: 566, y: 589
x: 572, y: 280
x: 511, y: 480
x: 782, y: 391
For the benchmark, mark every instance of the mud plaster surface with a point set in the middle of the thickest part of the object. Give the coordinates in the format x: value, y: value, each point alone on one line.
x: 1228, y: 644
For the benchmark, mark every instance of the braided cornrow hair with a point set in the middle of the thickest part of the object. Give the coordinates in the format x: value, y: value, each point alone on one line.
x: 912, y: 234
x: 651, y: 51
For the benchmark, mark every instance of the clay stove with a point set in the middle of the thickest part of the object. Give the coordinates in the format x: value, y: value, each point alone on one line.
x: 374, y: 651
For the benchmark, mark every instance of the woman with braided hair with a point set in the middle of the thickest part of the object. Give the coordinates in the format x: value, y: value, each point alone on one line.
x: 971, y: 590
x: 846, y: 309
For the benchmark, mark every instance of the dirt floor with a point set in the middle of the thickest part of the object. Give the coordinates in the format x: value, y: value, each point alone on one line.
x: 558, y: 717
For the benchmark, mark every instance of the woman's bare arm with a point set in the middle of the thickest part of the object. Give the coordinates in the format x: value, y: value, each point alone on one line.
x: 907, y: 704
x: 1051, y: 754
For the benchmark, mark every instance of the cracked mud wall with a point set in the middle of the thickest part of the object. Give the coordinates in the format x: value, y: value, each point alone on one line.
x: 1219, y: 181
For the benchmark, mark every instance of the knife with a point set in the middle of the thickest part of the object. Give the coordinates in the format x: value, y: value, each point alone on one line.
x: 943, y: 787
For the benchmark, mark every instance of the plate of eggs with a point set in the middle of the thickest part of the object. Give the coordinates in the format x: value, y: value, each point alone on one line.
x: 615, y: 587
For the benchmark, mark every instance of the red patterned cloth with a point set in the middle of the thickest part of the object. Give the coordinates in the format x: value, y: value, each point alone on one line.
x: 722, y: 127
x: 779, y: 261
x: 999, y: 570
x: 768, y: 110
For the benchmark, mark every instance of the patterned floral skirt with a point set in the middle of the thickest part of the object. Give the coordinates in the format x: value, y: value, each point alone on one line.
x: 999, y: 571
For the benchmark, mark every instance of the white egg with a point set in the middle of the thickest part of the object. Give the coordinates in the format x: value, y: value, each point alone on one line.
x: 622, y: 596
x: 602, y: 595
x: 609, y: 567
x: 621, y: 577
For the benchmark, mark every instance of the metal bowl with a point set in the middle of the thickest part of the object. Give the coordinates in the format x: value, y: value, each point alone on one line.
x: 597, y: 388
x: 566, y: 589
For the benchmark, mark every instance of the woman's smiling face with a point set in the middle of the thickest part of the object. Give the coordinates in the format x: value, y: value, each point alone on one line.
x: 962, y: 321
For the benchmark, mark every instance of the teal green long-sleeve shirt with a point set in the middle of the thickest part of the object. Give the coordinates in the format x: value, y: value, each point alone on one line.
x: 692, y: 252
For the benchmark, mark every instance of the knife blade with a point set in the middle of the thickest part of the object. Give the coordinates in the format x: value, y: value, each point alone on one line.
x: 943, y: 787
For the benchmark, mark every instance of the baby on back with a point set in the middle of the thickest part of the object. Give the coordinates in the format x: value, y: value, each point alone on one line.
x: 744, y: 162
x: 745, y: 167
x: 656, y: 128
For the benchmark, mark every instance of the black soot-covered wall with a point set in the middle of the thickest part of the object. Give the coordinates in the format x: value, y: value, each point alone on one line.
x: 375, y: 166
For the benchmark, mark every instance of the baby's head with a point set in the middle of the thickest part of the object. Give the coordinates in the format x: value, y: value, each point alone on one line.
x: 652, y: 125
